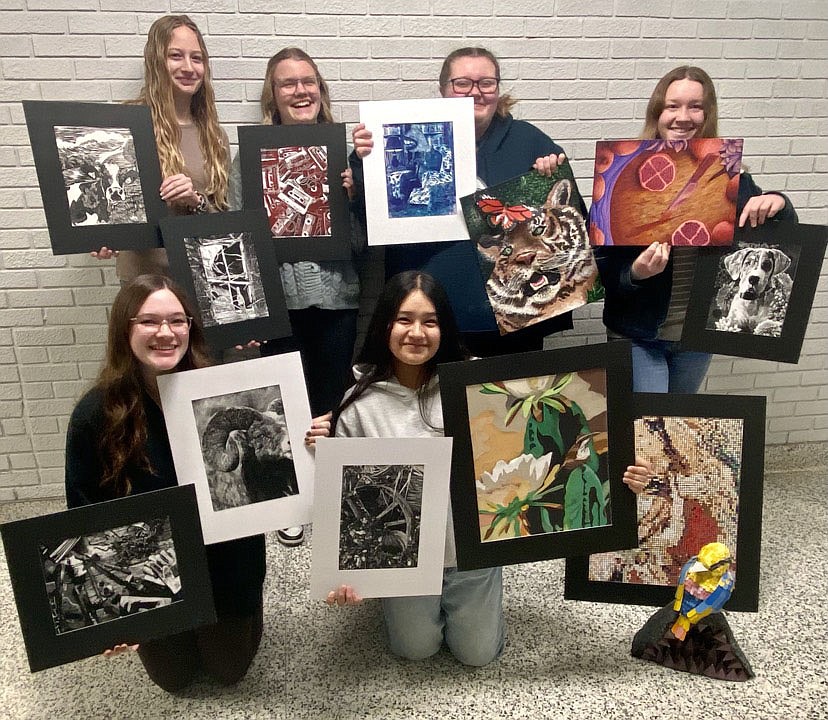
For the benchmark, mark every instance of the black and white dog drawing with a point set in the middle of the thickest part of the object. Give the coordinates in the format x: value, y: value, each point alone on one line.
x: 755, y: 298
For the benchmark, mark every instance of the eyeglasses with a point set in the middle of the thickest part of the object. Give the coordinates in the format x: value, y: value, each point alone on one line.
x: 464, y: 85
x: 179, y: 324
x: 291, y: 85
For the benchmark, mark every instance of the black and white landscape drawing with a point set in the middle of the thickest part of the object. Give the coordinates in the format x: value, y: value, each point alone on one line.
x: 226, y: 276
x: 380, y: 516
x: 245, y: 447
x: 100, y: 175
x: 107, y: 575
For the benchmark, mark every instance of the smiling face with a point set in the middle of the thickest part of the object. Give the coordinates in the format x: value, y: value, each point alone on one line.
x: 414, y: 337
x: 296, y: 92
x: 485, y: 105
x: 185, y: 61
x: 683, y: 114
x: 158, y: 349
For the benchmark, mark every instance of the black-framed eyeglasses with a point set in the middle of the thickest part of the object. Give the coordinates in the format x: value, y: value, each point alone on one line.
x: 178, y: 324
x: 464, y: 85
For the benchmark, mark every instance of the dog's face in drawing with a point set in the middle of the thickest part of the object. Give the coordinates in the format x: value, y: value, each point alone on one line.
x: 753, y: 269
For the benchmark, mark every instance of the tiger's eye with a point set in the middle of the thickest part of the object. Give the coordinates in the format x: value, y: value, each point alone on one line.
x: 507, y: 251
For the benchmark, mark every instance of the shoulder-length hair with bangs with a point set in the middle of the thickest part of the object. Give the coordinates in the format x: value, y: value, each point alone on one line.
x: 157, y: 94
x: 270, y: 113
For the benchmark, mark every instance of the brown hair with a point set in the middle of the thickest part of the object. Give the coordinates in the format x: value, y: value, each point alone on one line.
x: 157, y: 93
x: 120, y: 381
x: 270, y: 113
x: 505, y: 102
x: 710, y: 128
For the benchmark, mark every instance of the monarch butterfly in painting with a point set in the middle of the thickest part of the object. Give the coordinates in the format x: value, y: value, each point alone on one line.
x: 507, y: 216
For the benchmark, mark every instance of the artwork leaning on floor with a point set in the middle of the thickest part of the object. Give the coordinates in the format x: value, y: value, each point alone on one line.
x: 754, y: 299
x: 122, y: 571
x: 380, y: 511
x: 226, y: 263
x: 540, y: 447
x: 237, y: 431
x: 97, y: 167
x: 707, y: 452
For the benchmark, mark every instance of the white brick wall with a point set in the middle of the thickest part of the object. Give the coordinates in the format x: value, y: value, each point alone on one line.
x: 581, y: 77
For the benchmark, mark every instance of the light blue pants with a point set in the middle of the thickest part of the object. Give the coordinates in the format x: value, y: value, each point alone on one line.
x: 468, y: 617
x: 661, y: 366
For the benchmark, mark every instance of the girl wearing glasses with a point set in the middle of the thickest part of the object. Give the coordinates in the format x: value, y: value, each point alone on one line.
x: 506, y: 147
x: 192, y: 147
x: 117, y: 445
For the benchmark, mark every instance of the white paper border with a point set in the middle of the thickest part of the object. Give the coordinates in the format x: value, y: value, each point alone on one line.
x: 178, y: 390
x: 427, y: 577
x: 383, y: 230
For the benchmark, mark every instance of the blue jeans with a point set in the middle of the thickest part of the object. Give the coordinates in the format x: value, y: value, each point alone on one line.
x: 661, y: 366
x: 468, y: 616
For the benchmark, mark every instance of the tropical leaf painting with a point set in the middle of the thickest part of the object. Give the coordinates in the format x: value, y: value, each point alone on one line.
x: 540, y: 454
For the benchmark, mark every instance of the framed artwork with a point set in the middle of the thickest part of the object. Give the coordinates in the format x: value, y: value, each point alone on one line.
x: 97, y: 167
x: 541, y: 442
x: 123, y: 571
x: 423, y: 162
x: 295, y: 172
x: 708, y: 452
x: 227, y: 264
x: 534, y: 249
x: 754, y: 299
x: 379, y: 515
x: 682, y: 192
x: 237, y: 433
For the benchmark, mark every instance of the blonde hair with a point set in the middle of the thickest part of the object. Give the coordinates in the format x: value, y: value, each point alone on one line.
x: 270, y: 113
x: 157, y: 94
x: 710, y: 128
x: 504, y: 102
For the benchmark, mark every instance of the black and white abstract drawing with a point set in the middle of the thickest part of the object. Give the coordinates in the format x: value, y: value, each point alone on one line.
x: 245, y: 446
x: 103, y: 576
x: 753, y: 287
x: 226, y: 277
x: 379, y: 526
x: 100, y: 173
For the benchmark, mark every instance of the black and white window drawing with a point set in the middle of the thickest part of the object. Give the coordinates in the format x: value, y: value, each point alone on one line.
x: 380, y: 516
x: 226, y: 277
x: 100, y: 174
x: 107, y: 575
x: 245, y: 447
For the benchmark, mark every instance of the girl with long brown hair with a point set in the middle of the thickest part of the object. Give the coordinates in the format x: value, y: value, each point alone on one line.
x: 117, y: 445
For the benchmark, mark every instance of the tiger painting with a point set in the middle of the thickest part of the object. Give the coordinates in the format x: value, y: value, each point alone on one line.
x: 543, y: 263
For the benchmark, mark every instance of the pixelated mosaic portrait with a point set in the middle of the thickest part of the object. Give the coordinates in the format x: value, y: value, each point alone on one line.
x: 540, y: 454
x: 694, y: 497
x: 295, y: 191
x: 682, y: 192
x: 380, y: 517
x: 419, y: 169
x: 227, y: 279
x: 104, y: 576
x: 245, y: 447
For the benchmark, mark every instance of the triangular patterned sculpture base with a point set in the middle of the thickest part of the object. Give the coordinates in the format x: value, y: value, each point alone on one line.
x: 709, y: 648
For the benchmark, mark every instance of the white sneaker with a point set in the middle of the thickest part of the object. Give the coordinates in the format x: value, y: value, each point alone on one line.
x: 292, y: 536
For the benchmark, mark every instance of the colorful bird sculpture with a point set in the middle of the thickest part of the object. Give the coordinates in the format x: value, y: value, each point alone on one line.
x: 704, y: 586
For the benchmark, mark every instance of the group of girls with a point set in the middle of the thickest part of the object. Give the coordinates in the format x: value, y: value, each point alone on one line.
x: 117, y: 442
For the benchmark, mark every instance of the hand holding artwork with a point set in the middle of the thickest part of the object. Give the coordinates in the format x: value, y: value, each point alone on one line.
x: 320, y: 427
x: 250, y: 344
x: 120, y: 650
x: 348, y: 182
x: 363, y: 140
x: 179, y: 189
x: 343, y: 595
x: 761, y: 207
x: 548, y: 164
x: 650, y: 262
x: 637, y: 477
x: 104, y: 253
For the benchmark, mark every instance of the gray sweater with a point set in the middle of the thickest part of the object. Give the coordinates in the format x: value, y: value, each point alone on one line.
x: 389, y: 409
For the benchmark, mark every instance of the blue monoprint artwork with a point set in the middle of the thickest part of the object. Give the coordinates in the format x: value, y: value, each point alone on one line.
x: 419, y: 169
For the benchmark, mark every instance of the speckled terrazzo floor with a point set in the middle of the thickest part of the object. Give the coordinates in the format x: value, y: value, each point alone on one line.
x: 563, y: 660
